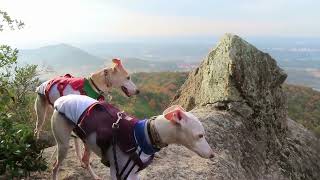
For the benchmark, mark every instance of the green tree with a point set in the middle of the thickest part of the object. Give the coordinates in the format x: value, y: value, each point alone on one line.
x: 20, y: 154
x: 12, y: 24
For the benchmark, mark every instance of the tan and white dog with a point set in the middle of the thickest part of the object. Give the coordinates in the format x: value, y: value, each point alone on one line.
x: 98, y: 84
x: 174, y: 126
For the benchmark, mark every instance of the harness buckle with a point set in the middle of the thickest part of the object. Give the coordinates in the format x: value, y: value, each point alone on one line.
x: 116, y: 124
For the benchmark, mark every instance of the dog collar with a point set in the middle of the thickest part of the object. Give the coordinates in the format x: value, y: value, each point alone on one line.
x: 107, y: 77
x: 95, y: 86
x: 89, y: 90
x: 154, y: 135
x: 143, y: 139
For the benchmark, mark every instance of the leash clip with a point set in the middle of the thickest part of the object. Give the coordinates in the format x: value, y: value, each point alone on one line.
x: 116, y: 124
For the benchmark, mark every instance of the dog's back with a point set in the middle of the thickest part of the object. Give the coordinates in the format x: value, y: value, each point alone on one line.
x: 41, y: 89
x: 73, y: 106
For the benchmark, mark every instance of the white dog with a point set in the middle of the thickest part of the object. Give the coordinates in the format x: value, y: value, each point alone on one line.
x: 122, y: 141
x: 95, y: 86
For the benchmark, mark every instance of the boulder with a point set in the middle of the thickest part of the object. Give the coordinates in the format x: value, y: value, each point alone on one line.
x: 237, y: 93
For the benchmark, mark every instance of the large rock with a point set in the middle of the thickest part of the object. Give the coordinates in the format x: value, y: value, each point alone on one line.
x: 236, y: 75
x: 239, y: 155
x: 233, y: 71
x: 254, y: 137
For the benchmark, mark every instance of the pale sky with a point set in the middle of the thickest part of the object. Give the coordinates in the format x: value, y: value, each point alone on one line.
x: 88, y: 21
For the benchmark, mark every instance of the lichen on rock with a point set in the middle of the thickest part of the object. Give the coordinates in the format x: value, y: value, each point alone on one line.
x: 233, y: 71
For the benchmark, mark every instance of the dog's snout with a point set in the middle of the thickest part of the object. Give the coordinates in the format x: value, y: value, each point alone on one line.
x: 137, y: 92
x: 211, y: 156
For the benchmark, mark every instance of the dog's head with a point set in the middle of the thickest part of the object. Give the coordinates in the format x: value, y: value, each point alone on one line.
x: 120, y: 78
x: 189, y: 131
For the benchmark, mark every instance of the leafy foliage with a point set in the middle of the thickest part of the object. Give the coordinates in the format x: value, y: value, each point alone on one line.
x: 157, y: 89
x: 304, y: 106
x: 20, y: 154
x: 11, y: 23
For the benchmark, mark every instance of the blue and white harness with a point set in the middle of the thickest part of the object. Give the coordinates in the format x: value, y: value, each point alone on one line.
x: 145, y: 143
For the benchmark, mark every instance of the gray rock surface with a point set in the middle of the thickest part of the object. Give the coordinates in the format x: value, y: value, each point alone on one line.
x: 257, y: 138
x: 237, y: 94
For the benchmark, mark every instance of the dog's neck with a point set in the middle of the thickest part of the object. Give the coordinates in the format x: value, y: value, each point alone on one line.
x: 99, y: 81
x: 153, y: 134
x: 166, y: 130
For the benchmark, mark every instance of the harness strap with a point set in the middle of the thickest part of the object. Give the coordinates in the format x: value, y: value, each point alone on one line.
x: 133, y: 157
x: 114, y: 143
x: 134, y: 164
x: 47, y: 89
x: 125, y: 166
x: 61, y: 87
x: 77, y: 129
x: 80, y: 132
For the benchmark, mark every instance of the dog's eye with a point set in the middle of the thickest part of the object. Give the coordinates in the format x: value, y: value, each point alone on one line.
x: 200, y: 136
x: 128, y: 77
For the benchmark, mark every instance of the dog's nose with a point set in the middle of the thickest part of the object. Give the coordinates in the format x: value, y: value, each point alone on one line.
x: 137, y: 92
x: 211, y: 156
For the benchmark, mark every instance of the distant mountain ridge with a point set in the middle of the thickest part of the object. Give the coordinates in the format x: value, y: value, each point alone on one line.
x: 64, y: 58
x: 60, y: 54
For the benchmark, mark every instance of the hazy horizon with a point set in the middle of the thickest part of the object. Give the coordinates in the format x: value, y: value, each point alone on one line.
x: 82, y: 22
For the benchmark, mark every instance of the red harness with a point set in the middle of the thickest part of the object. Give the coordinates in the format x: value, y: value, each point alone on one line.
x: 99, y: 118
x: 62, y: 81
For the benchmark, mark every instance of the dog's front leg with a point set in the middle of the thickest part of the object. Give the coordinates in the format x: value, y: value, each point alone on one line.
x: 85, y: 157
x: 93, y: 174
x: 77, y: 149
x: 86, y: 162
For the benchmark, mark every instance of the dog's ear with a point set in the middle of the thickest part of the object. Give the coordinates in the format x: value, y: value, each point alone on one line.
x: 117, y: 62
x: 117, y: 65
x: 174, y: 114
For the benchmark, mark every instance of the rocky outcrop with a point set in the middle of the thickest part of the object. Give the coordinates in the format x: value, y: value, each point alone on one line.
x: 237, y: 94
x: 237, y: 76
x: 246, y: 84
x: 233, y: 71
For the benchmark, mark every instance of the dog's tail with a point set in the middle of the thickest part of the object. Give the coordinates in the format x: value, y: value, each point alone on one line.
x: 41, y: 89
x: 38, y: 90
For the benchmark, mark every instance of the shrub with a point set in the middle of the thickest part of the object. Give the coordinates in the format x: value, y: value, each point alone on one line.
x: 19, y: 152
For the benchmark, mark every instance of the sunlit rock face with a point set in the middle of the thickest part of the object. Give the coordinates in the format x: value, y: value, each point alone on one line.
x: 237, y: 93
